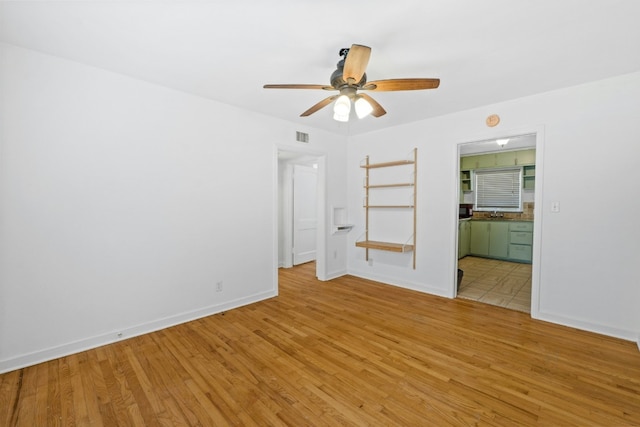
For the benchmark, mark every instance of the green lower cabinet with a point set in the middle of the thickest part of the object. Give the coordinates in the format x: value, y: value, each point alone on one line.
x: 464, y: 238
x: 521, y: 241
x: 489, y: 238
x: 520, y: 252
x: 507, y: 240
x: 479, y: 244
x: 499, y: 239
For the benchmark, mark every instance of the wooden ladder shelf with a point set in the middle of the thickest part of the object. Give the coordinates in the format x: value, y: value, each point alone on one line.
x: 410, y: 245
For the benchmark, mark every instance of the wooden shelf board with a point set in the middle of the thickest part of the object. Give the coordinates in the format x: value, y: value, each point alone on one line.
x: 388, y: 206
x: 403, y: 184
x: 384, y: 246
x: 387, y: 164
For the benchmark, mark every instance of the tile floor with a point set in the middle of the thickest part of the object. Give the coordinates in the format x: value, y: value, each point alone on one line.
x: 502, y: 283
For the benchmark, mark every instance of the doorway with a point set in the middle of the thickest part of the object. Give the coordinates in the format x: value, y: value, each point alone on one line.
x: 503, y: 275
x: 300, y: 215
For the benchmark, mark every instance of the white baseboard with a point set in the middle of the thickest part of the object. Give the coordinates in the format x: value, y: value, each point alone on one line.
x: 587, y: 326
x: 66, y: 349
x: 335, y: 274
x: 402, y: 284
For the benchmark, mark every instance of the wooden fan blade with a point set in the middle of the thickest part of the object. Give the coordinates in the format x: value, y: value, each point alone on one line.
x: 401, y: 84
x: 356, y: 63
x: 377, y: 108
x: 319, y: 105
x: 295, y: 86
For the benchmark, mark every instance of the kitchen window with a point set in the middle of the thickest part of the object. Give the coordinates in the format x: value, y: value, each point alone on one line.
x: 498, y: 189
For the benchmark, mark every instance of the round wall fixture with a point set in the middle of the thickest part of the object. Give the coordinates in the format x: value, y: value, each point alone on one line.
x: 493, y: 120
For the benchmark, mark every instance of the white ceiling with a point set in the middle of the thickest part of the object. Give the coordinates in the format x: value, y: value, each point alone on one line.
x: 483, y: 51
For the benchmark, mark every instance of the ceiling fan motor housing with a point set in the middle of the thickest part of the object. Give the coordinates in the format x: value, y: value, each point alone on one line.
x: 338, y: 82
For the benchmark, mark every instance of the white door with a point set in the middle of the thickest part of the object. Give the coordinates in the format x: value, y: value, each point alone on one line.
x: 305, y: 180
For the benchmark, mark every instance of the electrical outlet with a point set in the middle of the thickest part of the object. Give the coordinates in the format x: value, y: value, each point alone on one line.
x: 219, y: 286
x: 335, y: 254
x: 370, y: 262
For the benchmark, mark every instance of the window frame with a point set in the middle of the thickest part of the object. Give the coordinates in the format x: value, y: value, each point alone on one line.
x: 505, y: 207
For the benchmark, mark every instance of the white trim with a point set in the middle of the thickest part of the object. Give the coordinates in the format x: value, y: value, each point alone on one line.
x: 321, y: 237
x: 538, y: 130
x: 406, y: 284
x: 335, y: 274
x: 623, y: 334
x: 287, y: 206
x: 538, y: 217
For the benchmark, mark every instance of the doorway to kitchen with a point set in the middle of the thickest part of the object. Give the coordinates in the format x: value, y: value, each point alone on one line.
x: 496, y: 221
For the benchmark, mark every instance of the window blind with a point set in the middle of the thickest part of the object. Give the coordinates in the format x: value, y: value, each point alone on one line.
x: 498, y: 189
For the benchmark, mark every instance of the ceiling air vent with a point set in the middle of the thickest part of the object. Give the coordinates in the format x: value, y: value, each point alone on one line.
x: 302, y: 137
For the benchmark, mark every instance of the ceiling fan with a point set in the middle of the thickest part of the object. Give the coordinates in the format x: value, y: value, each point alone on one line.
x: 348, y: 78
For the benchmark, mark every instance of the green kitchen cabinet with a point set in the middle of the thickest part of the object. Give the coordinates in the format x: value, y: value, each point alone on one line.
x: 467, y: 163
x: 529, y: 177
x: 498, y: 159
x: 499, y: 239
x: 526, y: 226
x: 526, y: 157
x: 489, y: 239
x: 486, y: 161
x: 479, y: 243
x: 506, y: 158
x: 466, y: 184
x: 521, y: 241
x: 464, y: 238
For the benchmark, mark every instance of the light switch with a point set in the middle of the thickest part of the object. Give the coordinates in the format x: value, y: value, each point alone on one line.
x: 555, y: 207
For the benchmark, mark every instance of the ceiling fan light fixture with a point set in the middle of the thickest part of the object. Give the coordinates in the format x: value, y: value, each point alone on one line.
x: 363, y: 107
x: 502, y: 142
x: 342, y: 106
x: 341, y: 117
x: 349, y: 77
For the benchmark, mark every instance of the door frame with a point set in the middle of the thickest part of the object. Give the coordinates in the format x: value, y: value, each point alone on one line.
x: 538, y: 211
x: 321, y: 235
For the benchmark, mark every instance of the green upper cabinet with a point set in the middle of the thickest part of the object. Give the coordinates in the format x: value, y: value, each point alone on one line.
x: 467, y: 163
x: 526, y: 157
x: 501, y: 158
x: 529, y: 177
x: 465, y: 180
x: 506, y: 158
x: 486, y: 161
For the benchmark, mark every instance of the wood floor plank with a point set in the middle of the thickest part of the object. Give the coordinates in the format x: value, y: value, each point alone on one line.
x: 11, y: 392
x: 42, y: 402
x: 344, y: 352
x: 54, y: 405
x: 67, y: 402
x: 95, y: 391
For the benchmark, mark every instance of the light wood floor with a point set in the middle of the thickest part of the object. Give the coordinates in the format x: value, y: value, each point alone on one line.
x: 491, y: 281
x: 344, y: 352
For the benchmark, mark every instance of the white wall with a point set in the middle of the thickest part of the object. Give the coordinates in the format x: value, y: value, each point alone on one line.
x: 588, y: 150
x: 122, y: 204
